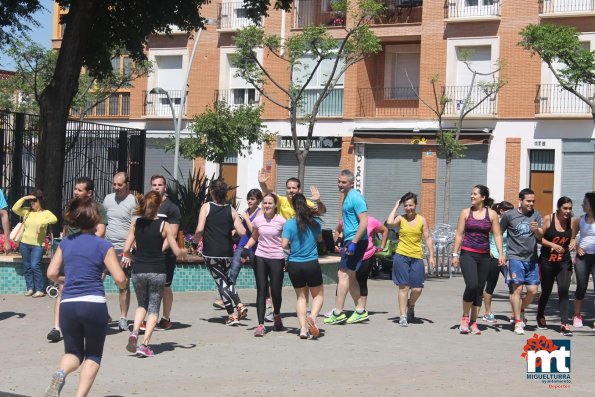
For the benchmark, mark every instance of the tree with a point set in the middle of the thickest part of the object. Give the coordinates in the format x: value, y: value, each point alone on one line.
x: 16, y: 17
x: 95, y: 31
x: 223, y: 130
x: 558, y: 44
x: 303, y: 54
x: 448, y: 140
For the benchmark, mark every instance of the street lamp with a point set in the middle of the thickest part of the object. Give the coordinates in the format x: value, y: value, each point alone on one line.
x: 161, y: 91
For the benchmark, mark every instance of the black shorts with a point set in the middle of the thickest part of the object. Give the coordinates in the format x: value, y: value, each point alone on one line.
x: 170, y: 266
x: 304, y: 274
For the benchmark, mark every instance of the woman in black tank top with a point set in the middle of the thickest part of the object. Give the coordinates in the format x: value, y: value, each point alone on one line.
x: 216, y: 222
x: 555, y: 263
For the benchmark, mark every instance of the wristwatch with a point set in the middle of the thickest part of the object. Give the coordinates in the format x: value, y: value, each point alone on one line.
x: 455, y: 255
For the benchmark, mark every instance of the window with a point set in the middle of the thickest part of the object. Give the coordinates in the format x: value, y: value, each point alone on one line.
x: 401, y: 71
x: 479, y: 59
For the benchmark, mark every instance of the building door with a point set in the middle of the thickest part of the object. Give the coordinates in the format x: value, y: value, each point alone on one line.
x: 541, y: 180
x: 229, y: 173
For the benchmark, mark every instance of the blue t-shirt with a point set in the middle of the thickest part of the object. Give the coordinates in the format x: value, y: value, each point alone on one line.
x: 353, y: 205
x: 303, y: 244
x: 3, y: 203
x: 83, y: 256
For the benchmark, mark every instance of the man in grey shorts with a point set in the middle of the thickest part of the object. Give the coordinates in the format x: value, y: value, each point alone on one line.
x: 120, y: 207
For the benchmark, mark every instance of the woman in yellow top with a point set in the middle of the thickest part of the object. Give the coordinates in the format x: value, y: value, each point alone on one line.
x: 35, y: 222
x: 408, y: 265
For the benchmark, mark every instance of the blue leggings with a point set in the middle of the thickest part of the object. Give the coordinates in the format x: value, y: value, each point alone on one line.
x: 83, y: 325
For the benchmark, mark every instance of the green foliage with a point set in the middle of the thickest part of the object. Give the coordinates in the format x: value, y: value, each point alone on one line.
x: 16, y: 17
x: 189, y: 195
x: 449, y: 146
x: 223, y: 130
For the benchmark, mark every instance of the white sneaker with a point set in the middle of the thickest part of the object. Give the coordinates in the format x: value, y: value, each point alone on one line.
x: 403, y: 321
x: 577, y: 321
x: 519, y: 329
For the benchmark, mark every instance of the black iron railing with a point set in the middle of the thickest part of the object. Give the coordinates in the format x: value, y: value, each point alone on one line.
x: 317, y: 12
x: 233, y: 15
x: 399, y: 12
x: 392, y: 101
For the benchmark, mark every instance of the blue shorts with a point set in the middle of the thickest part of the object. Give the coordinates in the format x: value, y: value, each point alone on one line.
x: 408, y: 271
x: 353, y: 262
x: 523, y: 272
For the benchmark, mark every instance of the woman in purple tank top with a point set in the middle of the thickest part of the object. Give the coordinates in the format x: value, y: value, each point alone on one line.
x: 473, y: 241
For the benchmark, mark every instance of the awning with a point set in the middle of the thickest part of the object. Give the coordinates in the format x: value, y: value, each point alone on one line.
x: 415, y: 137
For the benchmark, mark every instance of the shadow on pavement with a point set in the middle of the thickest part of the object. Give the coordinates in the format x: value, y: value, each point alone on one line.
x: 7, y: 315
x: 169, y: 347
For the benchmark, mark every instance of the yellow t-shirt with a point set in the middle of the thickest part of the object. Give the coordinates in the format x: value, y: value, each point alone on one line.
x: 410, y: 238
x: 35, y: 223
x: 286, y: 210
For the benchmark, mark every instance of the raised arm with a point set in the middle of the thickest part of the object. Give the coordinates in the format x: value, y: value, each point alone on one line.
x: 319, y: 206
x: 262, y: 181
x: 394, y: 219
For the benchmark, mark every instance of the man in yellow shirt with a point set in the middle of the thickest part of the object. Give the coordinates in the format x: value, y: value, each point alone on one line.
x: 292, y: 186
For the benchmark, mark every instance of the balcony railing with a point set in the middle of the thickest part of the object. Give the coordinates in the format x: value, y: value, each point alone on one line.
x: 115, y: 105
x: 158, y: 104
x: 233, y: 16
x: 566, y: 6
x: 553, y: 99
x: 316, y: 12
x: 470, y: 9
x: 331, y: 106
x: 399, y: 12
x: 458, y: 95
x: 393, y: 101
x: 238, y: 96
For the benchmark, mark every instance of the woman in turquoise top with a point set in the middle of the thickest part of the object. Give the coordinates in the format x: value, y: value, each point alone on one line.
x: 495, y: 269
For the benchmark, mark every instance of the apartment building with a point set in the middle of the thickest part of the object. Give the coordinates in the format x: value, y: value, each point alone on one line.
x: 531, y: 134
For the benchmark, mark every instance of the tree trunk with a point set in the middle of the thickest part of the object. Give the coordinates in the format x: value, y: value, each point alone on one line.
x: 55, y: 103
x: 301, y: 159
x: 446, y: 213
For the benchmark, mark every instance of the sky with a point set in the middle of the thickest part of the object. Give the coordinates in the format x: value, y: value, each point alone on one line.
x: 41, y: 34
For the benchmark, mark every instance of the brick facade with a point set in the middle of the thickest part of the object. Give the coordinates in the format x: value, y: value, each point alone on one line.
x: 512, y: 169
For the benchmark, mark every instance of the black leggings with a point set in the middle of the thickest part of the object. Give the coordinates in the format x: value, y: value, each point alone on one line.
x: 493, y: 276
x: 475, y: 268
x: 584, y: 265
x: 561, y: 272
x: 219, y: 268
x: 362, y: 276
x: 83, y: 326
x: 264, y: 270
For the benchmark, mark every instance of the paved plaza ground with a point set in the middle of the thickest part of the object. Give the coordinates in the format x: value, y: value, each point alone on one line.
x: 202, y: 357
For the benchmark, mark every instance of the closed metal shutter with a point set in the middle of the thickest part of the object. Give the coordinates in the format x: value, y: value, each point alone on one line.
x: 466, y: 172
x: 322, y: 170
x: 577, y: 171
x: 390, y: 171
x: 156, y: 159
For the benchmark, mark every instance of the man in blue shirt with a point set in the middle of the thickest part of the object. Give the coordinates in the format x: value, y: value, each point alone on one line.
x: 5, y: 222
x: 355, y: 242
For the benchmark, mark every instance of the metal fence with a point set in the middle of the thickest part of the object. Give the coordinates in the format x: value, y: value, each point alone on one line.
x: 331, y: 106
x: 94, y: 150
x: 391, y: 101
x: 553, y: 98
x: 471, y: 8
x: 459, y: 94
x: 566, y: 6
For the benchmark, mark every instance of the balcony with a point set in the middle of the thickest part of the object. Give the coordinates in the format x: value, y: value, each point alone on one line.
x: 158, y: 104
x: 383, y: 102
x: 471, y: 10
x: 238, y: 97
x: 457, y: 96
x: 332, y: 106
x: 553, y: 99
x: 232, y: 16
x: 399, y: 12
x: 316, y: 12
x: 566, y: 8
x: 115, y: 105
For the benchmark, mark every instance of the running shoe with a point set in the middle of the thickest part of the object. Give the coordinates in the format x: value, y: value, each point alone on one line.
x: 541, y: 323
x: 123, y: 324
x: 242, y: 312
x: 269, y: 318
x: 410, y: 313
x: 260, y: 331
x: 218, y: 304
x: 358, y: 317
x: 132, y: 340
x: 474, y: 329
x: 54, y: 335
x: 38, y: 294
x: 305, y: 335
x: 518, y: 328
x: 336, y: 318
x: 464, y: 326
x: 144, y: 351
x: 577, y: 321
x: 403, y: 321
x: 565, y: 330
x: 163, y: 324
x: 269, y: 303
x: 313, y: 328
x: 232, y: 320
x: 328, y: 314
x: 489, y: 318
x: 56, y: 385
x: 143, y: 326
x: 29, y: 292
x: 278, y: 323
